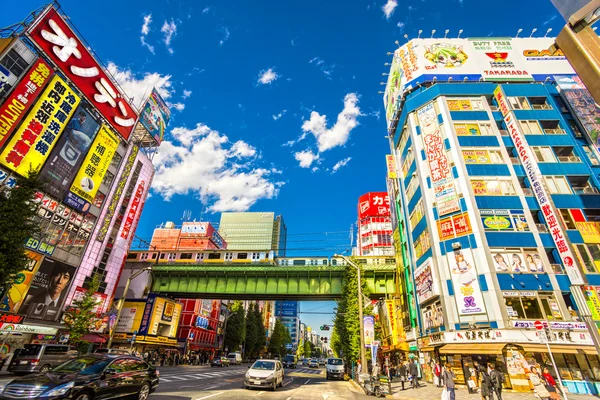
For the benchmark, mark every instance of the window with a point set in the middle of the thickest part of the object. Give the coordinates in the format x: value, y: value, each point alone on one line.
x: 422, y: 244
x: 539, y: 103
x: 417, y: 214
x: 581, y: 184
x: 410, y: 157
x: 185, y: 256
x: 531, y: 127
x: 493, y: 187
x: 214, y: 256
x: 412, y: 186
x: 56, y: 350
x: 557, y: 185
x: 242, y: 256
x: 591, y: 155
x: 403, y: 140
x: 552, y: 127
x: 116, y: 160
x: 532, y: 305
x: 518, y: 103
x: 543, y: 153
x: 567, y: 218
x: 589, y: 256
x: 108, y: 178
x: 14, y: 63
x: 473, y: 129
x: 299, y: 262
x: 482, y: 156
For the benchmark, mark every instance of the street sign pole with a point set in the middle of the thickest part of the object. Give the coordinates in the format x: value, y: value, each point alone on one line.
x: 546, y: 339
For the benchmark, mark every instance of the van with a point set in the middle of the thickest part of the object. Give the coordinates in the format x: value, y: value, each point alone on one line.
x: 235, y: 358
x: 40, y: 357
x: 335, y: 368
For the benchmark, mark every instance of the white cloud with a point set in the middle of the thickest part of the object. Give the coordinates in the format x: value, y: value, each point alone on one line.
x: 226, y: 34
x: 401, y: 25
x: 389, y: 7
x: 306, y: 158
x: 317, y: 60
x: 146, y: 26
x: 326, y: 69
x: 139, y: 89
x: 186, y: 93
x: 276, y: 117
x: 170, y: 30
x: 328, y: 138
x: 340, y: 164
x: 177, y: 106
x: 267, y: 76
x: 205, y: 10
x: 201, y: 161
x: 289, y: 143
x: 145, y: 44
x: 315, y: 169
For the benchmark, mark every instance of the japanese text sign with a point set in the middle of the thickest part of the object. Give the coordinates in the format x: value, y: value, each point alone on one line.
x: 391, y: 166
x: 92, y: 171
x: 537, y: 184
x: 133, y: 210
x: 14, y: 296
x: 59, y: 42
x: 374, y: 204
x: 455, y: 226
x: 20, y: 100
x: 31, y: 145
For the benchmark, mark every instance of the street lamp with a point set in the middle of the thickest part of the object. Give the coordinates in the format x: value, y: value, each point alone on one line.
x: 363, y: 357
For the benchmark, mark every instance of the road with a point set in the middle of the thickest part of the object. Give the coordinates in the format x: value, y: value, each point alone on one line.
x: 204, y: 382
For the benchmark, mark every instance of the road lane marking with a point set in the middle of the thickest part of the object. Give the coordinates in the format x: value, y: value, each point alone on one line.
x: 306, y: 383
x: 259, y: 393
x: 209, y: 396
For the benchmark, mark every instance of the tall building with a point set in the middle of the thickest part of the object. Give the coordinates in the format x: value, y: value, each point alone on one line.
x: 287, y: 313
x: 374, y: 225
x: 254, y: 231
x: 497, y: 205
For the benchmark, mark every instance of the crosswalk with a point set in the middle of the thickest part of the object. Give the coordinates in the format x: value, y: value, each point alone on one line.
x: 196, y: 376
x: 310, y: 371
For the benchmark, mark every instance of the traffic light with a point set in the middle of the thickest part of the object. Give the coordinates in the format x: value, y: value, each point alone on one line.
x: 324, y: 327
x: 324, y: 340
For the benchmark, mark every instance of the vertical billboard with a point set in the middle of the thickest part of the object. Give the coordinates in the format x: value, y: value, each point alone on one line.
x: 22, y: 98
x: 392, y: 94
x: 426, y: 282
x: 532, y: 170
x: 446, y: 196
x: 48, y: 290
x: 67, y: 155
x: 54, y: 37
x: 134, y: 209
x: 155, y: 116
x: 391, y: 166
x: 374, y: 204
x: 467, y: 292
x: 369, y: 329
x: 499, y: 60
x: 92, y: 171
x: 14, y: 296
x: 31, y: 145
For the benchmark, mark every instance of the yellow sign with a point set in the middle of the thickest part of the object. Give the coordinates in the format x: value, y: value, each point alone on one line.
x: 476, y: 156
x: 131, y: 317
x: 31, y: 145
x: 592, y: 300
x: 391, y: 167
x: 590, y: 231
x: 459, y: 105
x: 391, y: 308
x: 165, y: 318
x: 16, y: 294
x: 467, y: 129
x: 96, y: 163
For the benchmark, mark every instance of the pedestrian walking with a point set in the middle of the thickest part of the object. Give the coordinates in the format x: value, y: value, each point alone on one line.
x: 485, y: 384
x: 497, y: 380
x: 437, y: 374
x: 413, y: 371
x: 448, y: 377
x: 402, y: 372
x: 551, y: 385
x: 539, y: 387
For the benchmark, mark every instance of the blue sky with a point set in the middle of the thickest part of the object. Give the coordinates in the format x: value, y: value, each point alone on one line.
x: 275, y: 104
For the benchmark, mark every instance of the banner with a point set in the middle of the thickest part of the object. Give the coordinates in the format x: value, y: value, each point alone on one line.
x: 391, y: 311
x: 467, y: 291
x: 539, y: 189
x: 446, y: 197
x: 374, y: 204
x: 499, y: 60
x: 131, y: 317
x: 13, y: 298
x: 155, y: 116
x: 369, y: 329
x: 391, y: 167
x: 133, y: 210
x: 592, y: 300
x: 22, y: 97
x: 92, y: 171
x: 517, y: 262
x: 68, y: 154
x: 31, y: 145
x: 425, y: 282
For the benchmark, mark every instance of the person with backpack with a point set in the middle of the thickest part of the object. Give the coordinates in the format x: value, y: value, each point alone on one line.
x: 497, y: 378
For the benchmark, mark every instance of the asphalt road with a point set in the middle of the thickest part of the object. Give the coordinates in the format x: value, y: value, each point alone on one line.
x: 204, y: 382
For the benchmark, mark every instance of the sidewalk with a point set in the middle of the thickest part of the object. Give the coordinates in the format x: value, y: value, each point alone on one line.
x: 428, y: 391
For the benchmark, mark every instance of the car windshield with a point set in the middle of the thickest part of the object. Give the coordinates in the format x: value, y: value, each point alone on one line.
x: 30, y: 350
x: 83, y: 366
x: 263, y: 365
x: 335, y: 361
x: 102, y: 351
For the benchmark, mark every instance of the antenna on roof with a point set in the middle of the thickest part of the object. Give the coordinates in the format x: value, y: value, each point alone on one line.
x: 187, y: 215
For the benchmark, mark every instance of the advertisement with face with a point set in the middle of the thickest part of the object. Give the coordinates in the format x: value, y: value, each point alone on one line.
x: 67, y: 156
x: 13, y: 298
x: 425, y: 282
x: 48, y: 290
x: 433, y: 316
x: 528, y: 262
x: 467, y: 291
x: 155, y: 116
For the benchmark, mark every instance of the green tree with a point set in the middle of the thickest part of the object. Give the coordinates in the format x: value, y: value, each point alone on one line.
x: 261, y: 338
x: 335, y: 343
x: 308, y: 346
x: 279, y: 339
x: 251, y: 334
x: 17, y: 225
x: 300, y: 350
x: 236, y: 327
x: 79, y: 317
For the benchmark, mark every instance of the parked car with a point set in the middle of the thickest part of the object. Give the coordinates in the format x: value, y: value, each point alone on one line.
x: 235, y: 358
x: 40, y: 357
x: 264, y: 374
x: 313, y: 363
x: 335, y: 368
x: 219, y: 362
x: 119, y: 352
x: 87, y: 377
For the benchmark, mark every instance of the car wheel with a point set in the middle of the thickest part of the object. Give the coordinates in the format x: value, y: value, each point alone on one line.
x: 83, y: 396
x: 45, y: 368
x: 144, y: 392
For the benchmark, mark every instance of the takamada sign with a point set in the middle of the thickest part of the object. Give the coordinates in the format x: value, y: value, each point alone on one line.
x: 52, y: 35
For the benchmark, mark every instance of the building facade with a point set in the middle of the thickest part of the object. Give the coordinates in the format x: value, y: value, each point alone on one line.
x: 374, y: 225
x: 497, y: 205
x: 189, y: 236
x: 287, y: 312
x: 254, y: 231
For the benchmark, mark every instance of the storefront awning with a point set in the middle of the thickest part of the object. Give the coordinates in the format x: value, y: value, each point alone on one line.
x: 93, y: 338
x: 427, y: 348
x: 473, y: 348
x: 558, y: 348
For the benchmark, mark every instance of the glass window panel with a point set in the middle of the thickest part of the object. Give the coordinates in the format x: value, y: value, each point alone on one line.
x: 531, y: 307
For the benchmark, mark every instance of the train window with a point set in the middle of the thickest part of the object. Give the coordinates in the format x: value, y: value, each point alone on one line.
x: 362, y: 260
x: 242, y: 256
x: 324, y: 262
x: 333, y: 262
x: 185, y: 256
x: 131, y: 256
x: 313, y: 262
x: 283, y: 262
x: 214, y: 256
x: 162, y: 256
x: 390, y: 261
x: 153, y: 256
x: 255, y: 256
x: 200, y: 256
x: 299, y: 262
x: 229, y: 256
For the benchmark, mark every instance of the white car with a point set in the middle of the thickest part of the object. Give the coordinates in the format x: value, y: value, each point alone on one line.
x: 335, y: 368
x: 264, y: 374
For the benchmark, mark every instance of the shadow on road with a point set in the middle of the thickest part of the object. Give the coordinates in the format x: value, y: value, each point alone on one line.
x: 159, y: 396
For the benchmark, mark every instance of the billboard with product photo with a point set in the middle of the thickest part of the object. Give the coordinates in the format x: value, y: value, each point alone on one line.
x: 48, y: 291
x: 393, y: 92
x: 374, y: 204
x: 465, y: 281
x: 66, y: 157
x: 369, y: 329
x: 155, y: 116
x: 14, y: 296
x: 499, y: 60
x: 131, y: 316
x: 32, y: 143
x: 23, y: 96
x: 54, y: 37
x: 433, y: 316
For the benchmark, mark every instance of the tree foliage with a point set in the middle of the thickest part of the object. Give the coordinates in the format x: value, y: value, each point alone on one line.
x: 335, y: 343
x: 308, y: 348
x: 17, y: 212
x: 236, y: 327
x: 79, y: 317
x: 259, y: 328
x: 279, y: 339
x: 300, y: 350
x: 251, y: 334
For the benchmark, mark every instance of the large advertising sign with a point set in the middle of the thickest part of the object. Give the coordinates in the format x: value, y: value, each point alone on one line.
x: 53, y: 36
x: 155, y: 116
x: 131, y: 316
x: 286, y: 308
x: 539, y: 60
x: 92, y: 171
x: 391, y: 97
x: 499, y: 60
x: 537, y: 183
x: 446, y: 57
x: 48, y: 290
x: 590, y: 231
x: 374, y: 204
x: 592, y: 300
x: 369, y: 329
x: 22, y: 98
x: 467, y: 291
x: 425, y: 282
x: 165, y: 318
x: 433, y: 315
x: 31, y: 145
x: 68, y: 154
x: 446, y: 196
x: 454, y: 226
x: 14, y: 296
x: 133, y: 210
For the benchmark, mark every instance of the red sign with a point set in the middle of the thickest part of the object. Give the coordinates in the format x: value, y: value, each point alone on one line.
x: 455, y: 226
x: 538, y: 325
x: 22, y: 98
x: 57, y: 40
x: 11, y: 319
x: 374, y: 204
x: 135, y: 205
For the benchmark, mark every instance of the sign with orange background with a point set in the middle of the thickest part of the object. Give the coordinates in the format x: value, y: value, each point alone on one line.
x: 14, y: 297
x: 455, y: 226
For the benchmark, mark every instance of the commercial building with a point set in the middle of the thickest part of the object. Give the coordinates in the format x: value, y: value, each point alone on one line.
x: 254, y: 231
x: 92, y: 151
x: 287, y: 313
x: 494, y: 191
x: 189, y: 236
x: 374, y: 225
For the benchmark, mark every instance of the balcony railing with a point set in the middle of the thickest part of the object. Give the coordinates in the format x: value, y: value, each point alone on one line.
x: 556, y: 131
x: 569, y: 159
x: 541, y: 107
x: 586, y: 190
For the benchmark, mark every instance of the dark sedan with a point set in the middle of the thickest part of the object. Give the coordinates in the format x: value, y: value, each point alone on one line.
x: 219, y: 362
x: 92, y: 376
